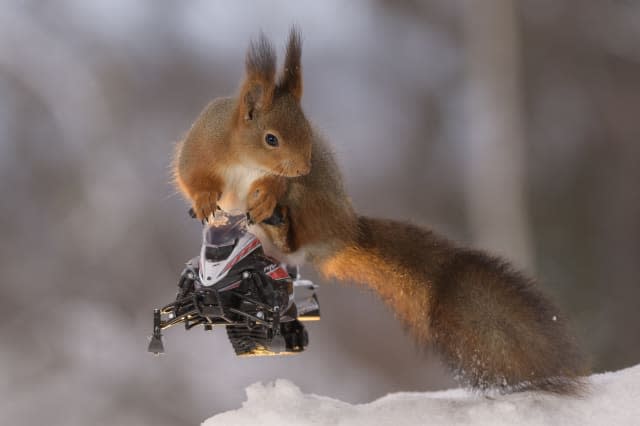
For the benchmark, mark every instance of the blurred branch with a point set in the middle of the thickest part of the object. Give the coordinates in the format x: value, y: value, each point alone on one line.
x: 495, y: 179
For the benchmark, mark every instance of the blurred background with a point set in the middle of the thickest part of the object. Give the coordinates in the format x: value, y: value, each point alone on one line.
x: 508, y: 125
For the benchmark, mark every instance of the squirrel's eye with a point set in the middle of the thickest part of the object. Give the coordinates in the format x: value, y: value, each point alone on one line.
x: 271, y: 140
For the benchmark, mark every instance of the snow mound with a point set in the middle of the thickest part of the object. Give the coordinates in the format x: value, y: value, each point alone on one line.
x: 613, y: 398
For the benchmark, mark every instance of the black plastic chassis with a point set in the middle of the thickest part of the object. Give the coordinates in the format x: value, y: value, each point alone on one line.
x: 219, y: 305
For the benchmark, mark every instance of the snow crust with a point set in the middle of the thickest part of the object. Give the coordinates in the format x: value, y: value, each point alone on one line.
x: 611, y: 399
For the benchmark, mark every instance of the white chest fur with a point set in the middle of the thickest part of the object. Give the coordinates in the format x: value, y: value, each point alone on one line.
x: 237, y: 181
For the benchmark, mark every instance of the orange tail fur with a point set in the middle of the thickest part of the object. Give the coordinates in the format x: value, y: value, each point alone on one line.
x: 493, y: 327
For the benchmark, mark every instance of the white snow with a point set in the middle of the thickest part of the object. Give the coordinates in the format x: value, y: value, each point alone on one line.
x: 612, y: 399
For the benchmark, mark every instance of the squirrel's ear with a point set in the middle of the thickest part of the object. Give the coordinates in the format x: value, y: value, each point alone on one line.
x: 257, y: 90
x: 291, y: 79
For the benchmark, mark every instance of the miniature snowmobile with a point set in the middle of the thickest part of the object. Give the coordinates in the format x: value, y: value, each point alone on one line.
x: 261, y: 302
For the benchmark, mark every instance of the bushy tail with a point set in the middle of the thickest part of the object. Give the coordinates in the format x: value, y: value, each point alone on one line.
x: 490, y: 323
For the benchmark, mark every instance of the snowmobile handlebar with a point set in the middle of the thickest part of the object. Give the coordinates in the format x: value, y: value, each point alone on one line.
x: 277, y: 218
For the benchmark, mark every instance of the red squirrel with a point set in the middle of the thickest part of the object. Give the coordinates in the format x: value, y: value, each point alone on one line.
x: 257, y: 150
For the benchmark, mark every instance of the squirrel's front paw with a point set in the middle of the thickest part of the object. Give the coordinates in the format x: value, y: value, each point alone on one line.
x: 261, y: 205
x: 205, y: 204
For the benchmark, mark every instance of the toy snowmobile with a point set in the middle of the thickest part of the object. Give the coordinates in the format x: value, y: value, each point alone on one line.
x: 234, y: 284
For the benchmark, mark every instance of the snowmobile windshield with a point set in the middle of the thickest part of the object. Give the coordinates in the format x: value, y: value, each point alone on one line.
x: 222, y: 234
x: 216, y: 254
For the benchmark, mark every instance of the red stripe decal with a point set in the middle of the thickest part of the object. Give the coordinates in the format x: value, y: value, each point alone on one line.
x: 279, y: 273
x: 245, y: 251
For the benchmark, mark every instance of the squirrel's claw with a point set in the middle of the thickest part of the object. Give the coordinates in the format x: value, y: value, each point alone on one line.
x: 204, y: 205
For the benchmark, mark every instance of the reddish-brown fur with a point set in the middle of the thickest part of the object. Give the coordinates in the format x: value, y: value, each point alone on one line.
x: 490, y: 323
x: 230, y: 133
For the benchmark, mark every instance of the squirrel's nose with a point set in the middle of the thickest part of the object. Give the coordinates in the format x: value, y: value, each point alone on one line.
x: 304, y: 170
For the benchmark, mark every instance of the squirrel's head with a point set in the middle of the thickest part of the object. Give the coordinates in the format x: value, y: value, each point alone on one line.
x: 270, y: 127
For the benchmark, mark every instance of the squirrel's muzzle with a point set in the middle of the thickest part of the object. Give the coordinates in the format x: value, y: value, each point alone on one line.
x: 296, y: 168
x: 304, y: 170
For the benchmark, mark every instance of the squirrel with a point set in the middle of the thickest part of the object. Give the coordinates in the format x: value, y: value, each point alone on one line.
x: 257, y: 152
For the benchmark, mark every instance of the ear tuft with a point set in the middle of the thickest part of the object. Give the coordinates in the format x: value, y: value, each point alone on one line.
x: 291, y: 78
x: 257, y: 90
x: 261, y: 60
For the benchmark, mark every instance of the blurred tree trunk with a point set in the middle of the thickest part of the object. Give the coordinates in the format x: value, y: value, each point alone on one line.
x: 495, y: 187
